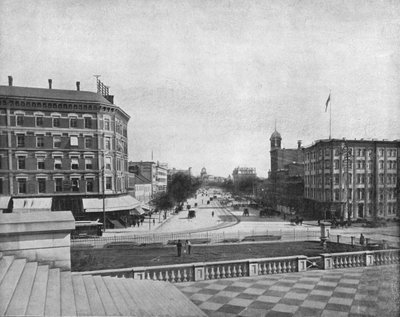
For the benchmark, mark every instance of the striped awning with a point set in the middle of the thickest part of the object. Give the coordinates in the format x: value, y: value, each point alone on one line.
x: 32, y: 204
x: 118, y: 203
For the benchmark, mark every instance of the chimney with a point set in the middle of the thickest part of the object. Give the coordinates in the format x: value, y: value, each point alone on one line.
x: 50, y: 82
x: 78, y: 86
x: 298, y: 144
x: 10, y: 81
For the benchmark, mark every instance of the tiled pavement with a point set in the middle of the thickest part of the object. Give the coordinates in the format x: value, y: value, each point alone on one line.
x: 366, y: 291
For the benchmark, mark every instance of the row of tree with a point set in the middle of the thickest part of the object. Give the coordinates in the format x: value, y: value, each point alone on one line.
x: 179, y: 189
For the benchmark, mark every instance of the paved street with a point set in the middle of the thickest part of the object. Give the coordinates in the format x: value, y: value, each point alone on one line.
x: 366, y: 291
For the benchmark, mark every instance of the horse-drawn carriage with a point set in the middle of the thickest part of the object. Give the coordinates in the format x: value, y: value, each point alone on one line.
x: 246, y: 212
x: 296, y: 221
x: 191, y: 214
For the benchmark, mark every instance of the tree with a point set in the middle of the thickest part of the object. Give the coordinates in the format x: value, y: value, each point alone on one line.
x: 181, y: 187
x: 163, y: 202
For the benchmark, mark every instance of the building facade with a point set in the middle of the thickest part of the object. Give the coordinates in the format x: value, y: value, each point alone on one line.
x: 62, y: 149
x: 285, y: 182
x: 352, y: 179
x: 156, y: 172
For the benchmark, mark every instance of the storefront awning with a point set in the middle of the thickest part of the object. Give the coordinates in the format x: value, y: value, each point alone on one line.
x: 126, y: 202
x: 32, y: 204
x: 4, y: 200
x: 146, y: 207
x: 137, y: 211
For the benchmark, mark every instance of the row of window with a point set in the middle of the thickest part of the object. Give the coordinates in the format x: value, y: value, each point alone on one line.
x: 73, y: 122
x: 73, y: 141
x: 359, y: 152
x: 61, y: 185
x: 360, y: 179
x: 359, y: 164
x: 359, y: 192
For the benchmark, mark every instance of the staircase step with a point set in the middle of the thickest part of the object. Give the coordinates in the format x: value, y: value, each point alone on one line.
x: 139, y: 298
x: 20, y: 299
x: 108, y: 303
x: 67, y: 295
x: 81, y: 299
x: 186, y: 306
x: 38, y: 295
x: 5, y: 263
x: 96, y: 306
x: 133, y: 309
x: 116, y: 296
x: 53, y: 296
x: 9, y: 283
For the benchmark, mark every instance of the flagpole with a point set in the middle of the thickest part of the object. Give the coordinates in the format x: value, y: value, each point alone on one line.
x: 330, y: 115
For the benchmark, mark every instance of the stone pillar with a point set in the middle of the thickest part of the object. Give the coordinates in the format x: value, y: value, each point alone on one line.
x: 369, y: 258
x: 302, y: 263
x: 139, y: 273
x: 327, y: 261
x: 199, y: 272
x: 42, y: 236
x: 253, y: 268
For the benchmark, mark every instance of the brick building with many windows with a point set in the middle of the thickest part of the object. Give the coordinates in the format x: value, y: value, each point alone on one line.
x: 62, y: 150
x: 352, y: 178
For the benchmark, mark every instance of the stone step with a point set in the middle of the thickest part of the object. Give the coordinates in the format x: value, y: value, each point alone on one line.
x: 37, y: 299
x: 9, y: 283
x: 20, y: 299
x: 108, y: 303
x: 186, y: 306
x: 160, y: 306
x: 5, y: 263
x: 138, y: 297
x: 53, y: 296
x: 68, y: 307
x: 133, y: 309
x: 81, y: 300
x: 96, y: 305
x: 116, y: 296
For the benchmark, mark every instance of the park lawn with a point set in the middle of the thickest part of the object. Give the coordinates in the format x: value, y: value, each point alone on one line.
x: 132, y: 256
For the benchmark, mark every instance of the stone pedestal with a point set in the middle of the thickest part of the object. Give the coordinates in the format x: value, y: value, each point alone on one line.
x: 38, y: 236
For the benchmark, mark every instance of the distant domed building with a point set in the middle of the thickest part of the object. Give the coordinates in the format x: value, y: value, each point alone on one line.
x: 203, y: 173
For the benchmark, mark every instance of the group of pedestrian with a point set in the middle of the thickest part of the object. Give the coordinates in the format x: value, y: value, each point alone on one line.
x: 187, y: 247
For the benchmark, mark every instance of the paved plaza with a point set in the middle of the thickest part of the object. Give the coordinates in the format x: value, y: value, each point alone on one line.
x: 364, y: 291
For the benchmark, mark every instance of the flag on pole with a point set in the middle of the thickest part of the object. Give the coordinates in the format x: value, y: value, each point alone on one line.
x: 327, y: 102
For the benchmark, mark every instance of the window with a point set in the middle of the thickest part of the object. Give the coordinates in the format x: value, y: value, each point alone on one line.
x: 336, y: 162
x: 108, y: 143
x: 1, y: 186
x: 336, y: 179
x: 41, y: 185
x: 57, y: 141
x: 40, y: 141
x: 39, y: 121
x: 56, y: 122
x: 89, y: 163
x: 88, y: 123
x: 40, y: 162
x: 20, y: 120
x: 57, y: 163
x: 75, y: 184
x: 21, y: 185
x: 74, y: 163
x: 73, y: 140
x: 108, y: 182
x: 89, y: 184
x: 73, y: 122
x: 21, y: 162
x: 108, y: 163
x: 381, y: 164
x: 88, y: 142
x: 336, y: 193
x: 20, y: 140
x: 106, y: 124
x: 58, y: 184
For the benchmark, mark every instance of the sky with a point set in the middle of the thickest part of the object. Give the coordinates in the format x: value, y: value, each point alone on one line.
x: 206, y: 81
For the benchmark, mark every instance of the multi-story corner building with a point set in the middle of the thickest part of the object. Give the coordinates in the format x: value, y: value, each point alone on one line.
x: 352, y: 178
x: 62, y: 150
x: 156, y: 172
x: 240, y: 174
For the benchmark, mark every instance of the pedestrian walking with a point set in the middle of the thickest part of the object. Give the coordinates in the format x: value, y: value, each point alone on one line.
x: 362, y: 239
x: 188, y: 246
x: 179, y: 247
x: 154, y: 221
x: 212, y: 214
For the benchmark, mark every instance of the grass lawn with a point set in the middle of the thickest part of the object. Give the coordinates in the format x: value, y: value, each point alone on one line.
x: 133, y: 255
